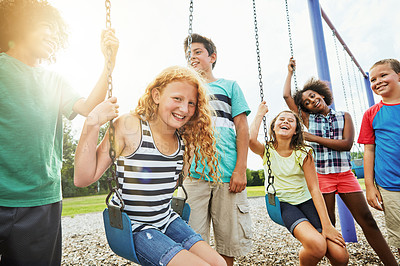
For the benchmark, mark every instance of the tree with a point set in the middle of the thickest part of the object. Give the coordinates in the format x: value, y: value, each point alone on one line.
x: 67, y: 171
x: 255, y: 177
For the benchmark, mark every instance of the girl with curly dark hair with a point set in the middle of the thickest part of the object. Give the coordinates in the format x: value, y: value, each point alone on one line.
x: 331, y: 134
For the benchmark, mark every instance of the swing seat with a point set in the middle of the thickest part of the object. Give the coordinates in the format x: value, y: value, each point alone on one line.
x: 186, y: 213
x: 274, y: 208
x: 120, y: 240
x: 357, y: 166
x: 181, y: 207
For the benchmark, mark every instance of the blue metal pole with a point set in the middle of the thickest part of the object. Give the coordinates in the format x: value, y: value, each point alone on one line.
x: 319, y: 43
x: 370, y: 95
x: 346, y: 219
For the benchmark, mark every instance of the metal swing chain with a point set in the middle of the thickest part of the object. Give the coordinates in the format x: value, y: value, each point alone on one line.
x: 341, y: 75
x: 292, y: 55
x: 350, y: 89
x: 356, y: 81
x: 291, y: 43
x: 112, y: 181
x: 340, y: 70
x: 260, y: 83
x: 190, y: 32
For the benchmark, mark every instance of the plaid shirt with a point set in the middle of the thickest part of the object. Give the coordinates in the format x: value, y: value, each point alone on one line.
x: 329, y: 161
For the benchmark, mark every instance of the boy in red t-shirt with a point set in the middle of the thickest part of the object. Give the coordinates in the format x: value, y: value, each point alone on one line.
x: 380, y: 133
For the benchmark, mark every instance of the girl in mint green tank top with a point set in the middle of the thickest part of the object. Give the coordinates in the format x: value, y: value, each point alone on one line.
x: 302, y: 206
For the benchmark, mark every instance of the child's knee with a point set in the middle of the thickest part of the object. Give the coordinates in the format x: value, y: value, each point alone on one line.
x: 338, y: 255
x: 317, y: 247
x: 216, y: 260
x: 340, y: 258
x: 219, y: 262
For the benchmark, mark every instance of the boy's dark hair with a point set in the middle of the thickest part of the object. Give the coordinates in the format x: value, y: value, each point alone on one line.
x: 18, y: 17
x: 208, y: 44
x: 314, y: 84
x: 394, y: 64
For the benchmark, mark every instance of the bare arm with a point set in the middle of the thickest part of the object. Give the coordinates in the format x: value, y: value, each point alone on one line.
x: 312, y: 183
x: 256, y: 146
x: 98, y: 93
x: 238, y: 179
x: 287, y: 92
x: 374, y: 198
x: 91, y: 161
x: 343, y: 144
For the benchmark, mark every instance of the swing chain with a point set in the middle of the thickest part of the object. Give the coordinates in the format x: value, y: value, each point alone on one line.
x: 260, y: 83
x: 340, y: 70
x: 190, y: 32
x: 112, y: 181
x: 291, y: 44
x: 108, y: 13
x: 350, y: 89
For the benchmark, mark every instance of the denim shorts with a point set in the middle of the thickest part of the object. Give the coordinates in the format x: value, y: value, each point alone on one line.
x: 156, y: 248
x: 292, y: 215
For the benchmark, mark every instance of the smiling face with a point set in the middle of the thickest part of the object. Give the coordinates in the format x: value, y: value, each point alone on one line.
x: 385, y: 81
x: 176, y: 103
x: 314, y: 102
x: 40, y: 43
x: 285, y: 125
x: 201, y: 60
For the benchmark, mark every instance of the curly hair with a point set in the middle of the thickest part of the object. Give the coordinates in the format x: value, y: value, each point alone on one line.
x: 19, y: 17
x: 297, y: 142
x: 198, y: 132
x: 393, y: 63
x: 208, y: 45
x: 313, y: 84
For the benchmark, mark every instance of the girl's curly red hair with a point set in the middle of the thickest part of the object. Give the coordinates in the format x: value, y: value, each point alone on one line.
x: 198, y: 133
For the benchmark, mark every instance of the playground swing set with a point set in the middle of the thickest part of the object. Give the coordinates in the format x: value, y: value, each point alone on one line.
x: 117, y: 223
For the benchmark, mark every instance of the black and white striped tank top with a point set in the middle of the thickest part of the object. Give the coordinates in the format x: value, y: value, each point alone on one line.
x: 147, y: 180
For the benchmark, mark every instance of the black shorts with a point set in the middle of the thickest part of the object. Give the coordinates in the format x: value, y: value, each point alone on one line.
x: 292, y: 215
x: 30, y: 235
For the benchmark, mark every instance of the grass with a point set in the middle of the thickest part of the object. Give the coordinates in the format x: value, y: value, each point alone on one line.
x: 80, y: 205
x: 87, y: 204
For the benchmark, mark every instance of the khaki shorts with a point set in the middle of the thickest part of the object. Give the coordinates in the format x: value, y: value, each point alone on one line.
x: 391, y: 203
x: 229, y: 213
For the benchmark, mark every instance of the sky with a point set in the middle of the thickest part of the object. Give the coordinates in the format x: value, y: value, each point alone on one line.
x: 151, y: 35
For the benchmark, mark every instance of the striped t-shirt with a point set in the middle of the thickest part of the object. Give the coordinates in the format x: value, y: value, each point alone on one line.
x: 327, y: 160
x: 228, y: 101
x: 147, y: 180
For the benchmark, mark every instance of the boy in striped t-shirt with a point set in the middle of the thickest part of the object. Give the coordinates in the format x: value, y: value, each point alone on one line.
x: 226, y: 204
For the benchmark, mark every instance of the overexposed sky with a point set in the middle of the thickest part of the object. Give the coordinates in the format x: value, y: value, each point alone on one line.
x: 151, y: 35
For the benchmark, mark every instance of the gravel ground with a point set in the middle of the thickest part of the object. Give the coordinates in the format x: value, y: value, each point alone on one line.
x: 84, y: 242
